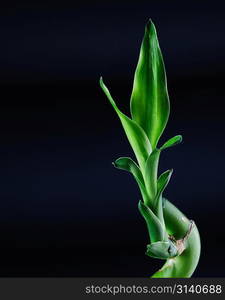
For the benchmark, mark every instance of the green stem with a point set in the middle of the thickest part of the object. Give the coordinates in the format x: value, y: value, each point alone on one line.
x: 177, y: 224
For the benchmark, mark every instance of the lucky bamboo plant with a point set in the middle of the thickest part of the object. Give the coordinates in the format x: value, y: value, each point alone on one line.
x: 173, y: 237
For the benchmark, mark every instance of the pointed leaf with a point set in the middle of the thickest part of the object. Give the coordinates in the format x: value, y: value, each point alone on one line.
x: 162, y: 182
x: 155, y: 228
x: 127, y: 164
x: 172, y: 142
x: 135, y: 134
x: 149, y: 99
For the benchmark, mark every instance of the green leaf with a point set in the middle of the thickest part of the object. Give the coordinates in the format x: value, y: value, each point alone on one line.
x: 149, y: 99
x: 162, y: 182
x: 135, y: 134
x: 127, y: 164
x: 155, y: 228
x: 172, y: 142
x: 150, y: 175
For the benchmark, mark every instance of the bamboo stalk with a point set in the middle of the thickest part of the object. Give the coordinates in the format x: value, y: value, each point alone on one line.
x: 172, y: 236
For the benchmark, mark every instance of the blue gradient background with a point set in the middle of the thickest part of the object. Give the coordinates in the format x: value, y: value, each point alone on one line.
x: 64, y: 209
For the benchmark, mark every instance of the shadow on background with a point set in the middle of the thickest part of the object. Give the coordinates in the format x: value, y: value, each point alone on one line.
x: 64, y: 209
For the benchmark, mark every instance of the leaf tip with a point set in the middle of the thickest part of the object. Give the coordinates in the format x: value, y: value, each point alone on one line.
x: 141, y: 205
x: 170, y: 172
x: 101, y: 81
x: 115, y: 164
x: 177, y: 139
x: 150, y: 25
x: 181, y: 138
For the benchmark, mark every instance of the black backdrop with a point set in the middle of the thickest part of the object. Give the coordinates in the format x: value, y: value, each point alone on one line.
x: 64, y: 209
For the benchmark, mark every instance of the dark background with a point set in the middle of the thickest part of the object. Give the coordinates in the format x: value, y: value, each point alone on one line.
x: 64, y: 209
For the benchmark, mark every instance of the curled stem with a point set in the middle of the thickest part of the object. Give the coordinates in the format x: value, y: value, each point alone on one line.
x: 178, y: 225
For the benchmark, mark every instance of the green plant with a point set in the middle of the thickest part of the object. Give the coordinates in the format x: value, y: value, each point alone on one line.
x: 173, y: 237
